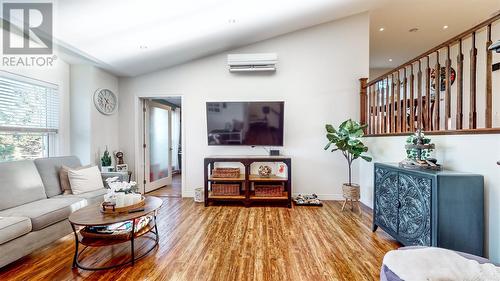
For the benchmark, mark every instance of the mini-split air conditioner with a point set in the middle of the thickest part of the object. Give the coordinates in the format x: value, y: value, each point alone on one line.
x: 252, y: 62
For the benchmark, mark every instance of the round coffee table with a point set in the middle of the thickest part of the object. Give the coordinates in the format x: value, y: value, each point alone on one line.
x: 92, y: 216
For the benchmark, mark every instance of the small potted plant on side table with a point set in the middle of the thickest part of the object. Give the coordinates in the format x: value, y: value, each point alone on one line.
x: 106, y: 162
x: 347, y: 139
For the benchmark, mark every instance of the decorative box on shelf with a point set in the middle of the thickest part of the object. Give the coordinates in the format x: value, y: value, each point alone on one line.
x: 226, y: 173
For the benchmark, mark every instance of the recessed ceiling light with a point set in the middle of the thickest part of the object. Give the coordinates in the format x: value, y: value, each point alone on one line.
x: 413, y: 29
x: 381, y: 29
x: 390, y: 59
x: 445, y: 27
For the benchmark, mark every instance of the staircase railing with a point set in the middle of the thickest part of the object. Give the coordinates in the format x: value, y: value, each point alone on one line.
x: 438, y: 91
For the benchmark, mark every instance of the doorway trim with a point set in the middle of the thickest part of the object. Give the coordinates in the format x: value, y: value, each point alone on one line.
x: 138, y: 139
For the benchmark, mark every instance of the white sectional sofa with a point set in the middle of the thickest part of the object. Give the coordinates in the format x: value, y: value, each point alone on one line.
x: 33, y: 210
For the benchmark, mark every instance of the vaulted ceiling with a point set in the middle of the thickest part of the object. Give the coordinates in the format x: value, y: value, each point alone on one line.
x: 131, y: 37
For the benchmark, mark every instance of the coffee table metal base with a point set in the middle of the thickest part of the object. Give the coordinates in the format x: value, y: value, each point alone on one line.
x: 133, y: 258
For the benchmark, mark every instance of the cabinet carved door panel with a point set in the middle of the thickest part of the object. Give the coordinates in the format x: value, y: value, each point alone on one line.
x: 386, y: 196
x: 414, y: 212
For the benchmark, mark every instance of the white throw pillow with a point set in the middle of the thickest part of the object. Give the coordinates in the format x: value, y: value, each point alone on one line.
x: 85, y: 180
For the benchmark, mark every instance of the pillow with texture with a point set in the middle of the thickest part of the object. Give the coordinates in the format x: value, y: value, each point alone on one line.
x: 85, y: 180
x: 64, y: 179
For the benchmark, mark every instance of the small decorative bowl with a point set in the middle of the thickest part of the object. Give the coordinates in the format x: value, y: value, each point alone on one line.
x: 265, y: 171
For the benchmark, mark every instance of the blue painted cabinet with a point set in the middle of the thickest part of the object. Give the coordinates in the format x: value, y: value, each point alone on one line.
x: 429, y: 208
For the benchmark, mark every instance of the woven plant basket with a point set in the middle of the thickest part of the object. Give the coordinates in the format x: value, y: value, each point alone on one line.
x: 350, y: 192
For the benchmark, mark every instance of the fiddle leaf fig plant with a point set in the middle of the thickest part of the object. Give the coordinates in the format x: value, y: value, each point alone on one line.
x: 347, y: 139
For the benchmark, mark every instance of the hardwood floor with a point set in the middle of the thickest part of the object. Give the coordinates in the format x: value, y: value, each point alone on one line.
x: 173, y: 190
x: 231, y: 243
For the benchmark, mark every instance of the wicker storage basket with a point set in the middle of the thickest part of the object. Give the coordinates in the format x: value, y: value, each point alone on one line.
x: 351, y: 192
x: 224, y: 189
x: 226, y: 173
x: 268, y: 190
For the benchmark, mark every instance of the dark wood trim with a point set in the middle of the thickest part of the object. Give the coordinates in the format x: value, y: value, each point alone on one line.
x: 489, y: 86
x: 411, y: 100
x: 393, y: 105
x: 419, y: 96
x: 428, y: 118
x: 397, y: 105
x: 387, y: 107
x: 404, y: 106
x: 447, y: 96
x: 437, y: 94
x: 473, y: 77
x: 363, y: 101
x: 460, y: 87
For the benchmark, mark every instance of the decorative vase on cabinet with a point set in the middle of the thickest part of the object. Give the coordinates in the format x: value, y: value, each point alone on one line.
x: 430, y: 208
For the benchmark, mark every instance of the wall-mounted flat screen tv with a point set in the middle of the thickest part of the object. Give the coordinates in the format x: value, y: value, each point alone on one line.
x: 245, y: 123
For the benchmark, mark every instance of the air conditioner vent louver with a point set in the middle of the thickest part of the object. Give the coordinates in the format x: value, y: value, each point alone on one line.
x: 252, y: 62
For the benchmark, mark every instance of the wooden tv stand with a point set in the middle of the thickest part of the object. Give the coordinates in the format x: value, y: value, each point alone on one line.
x: 246, y: 179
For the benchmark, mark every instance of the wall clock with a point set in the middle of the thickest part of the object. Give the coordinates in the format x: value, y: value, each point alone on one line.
x: 105, y: 101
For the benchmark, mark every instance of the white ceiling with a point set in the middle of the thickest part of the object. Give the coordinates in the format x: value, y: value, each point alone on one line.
x: 111, y: 32
x: 429, y: 16
x: 132, y: 37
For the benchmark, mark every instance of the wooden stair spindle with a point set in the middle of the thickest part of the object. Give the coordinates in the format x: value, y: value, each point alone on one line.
x: 437, y: 93
x: 428, y: 103
x: 406, y: 98
x: 412, y: 100
x: 397, y: 105
x: 473, y: 69
x: 460, y: 87
x: 387, y: 107
x: 419, y: 96
x: 393, y: 105
x: 447, y: 97
x: 489, y: 89
x: 382, y: 107
x: 377, y: 108
x: 372, y: 108
x: 404, y: 104
x: 363, y: 101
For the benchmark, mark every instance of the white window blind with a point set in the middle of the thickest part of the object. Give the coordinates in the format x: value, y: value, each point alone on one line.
x: 28, y: 105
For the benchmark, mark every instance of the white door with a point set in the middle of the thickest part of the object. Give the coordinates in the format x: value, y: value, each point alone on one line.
x: 157, y: 145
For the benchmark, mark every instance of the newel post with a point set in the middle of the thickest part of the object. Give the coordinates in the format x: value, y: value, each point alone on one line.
x: 363, y: 101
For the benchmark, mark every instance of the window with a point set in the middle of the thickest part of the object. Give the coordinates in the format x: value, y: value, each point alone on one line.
x: 29, y: 117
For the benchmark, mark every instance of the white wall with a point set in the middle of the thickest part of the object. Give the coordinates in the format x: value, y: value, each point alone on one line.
x: 91, y: 131
x: 317, y: 77
x: 472, y: 153
x: 59, y: 74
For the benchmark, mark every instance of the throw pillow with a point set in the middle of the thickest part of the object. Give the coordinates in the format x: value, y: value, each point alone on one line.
x: 85, y: 180
x: 64, y: 180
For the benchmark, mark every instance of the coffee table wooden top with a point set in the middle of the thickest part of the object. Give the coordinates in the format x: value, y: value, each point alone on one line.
x: 92, y: 215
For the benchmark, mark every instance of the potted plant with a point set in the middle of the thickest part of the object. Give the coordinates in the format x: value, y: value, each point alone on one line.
x: 106, y: 162
x: 347, y: 139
